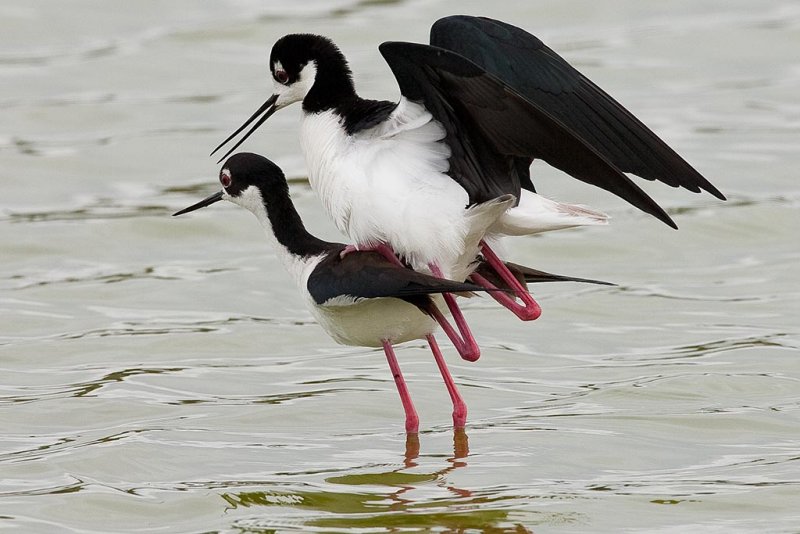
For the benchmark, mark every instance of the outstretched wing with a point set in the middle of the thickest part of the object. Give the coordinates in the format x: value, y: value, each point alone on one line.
x: 364, y: 275
x: 544, y: 78
x: 490, y: 127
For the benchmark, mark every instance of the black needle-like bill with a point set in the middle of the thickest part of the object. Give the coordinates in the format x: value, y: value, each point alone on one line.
x: 267, y: 108
x: 216, y: 197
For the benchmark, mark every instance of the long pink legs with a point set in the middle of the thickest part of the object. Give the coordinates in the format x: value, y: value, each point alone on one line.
x: 412, y: 419
x: 459, y: 406
x: 464, y: 343
x: 529, y: 309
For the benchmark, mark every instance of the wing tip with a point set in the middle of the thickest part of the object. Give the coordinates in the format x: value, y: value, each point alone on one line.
x: 714, y: 191
x: 666, y: 219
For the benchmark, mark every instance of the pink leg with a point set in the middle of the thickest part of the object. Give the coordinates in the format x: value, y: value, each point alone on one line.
x: 529, y: 309
x: 459, y: 406
x: 389, y: 254
x: 412, y: 419
x: 465, y: 344
x: 347, y: 250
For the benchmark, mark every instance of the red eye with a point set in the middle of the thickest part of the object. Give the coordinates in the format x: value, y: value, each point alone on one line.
x: 282, y: 76
x: 225, y: 178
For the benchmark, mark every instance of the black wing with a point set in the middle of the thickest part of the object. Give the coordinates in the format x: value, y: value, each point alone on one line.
x: 533, y: 276
x: 528, y: 275
x: 543, y: 77
x: 490, y: 127
x: 363, y: 275
x: 539, y: 74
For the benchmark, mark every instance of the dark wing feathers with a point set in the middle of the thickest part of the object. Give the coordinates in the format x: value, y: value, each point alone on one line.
x: 474, y: 163
x: 363, y: 275
x: 534, y: 276
x: 544, y: 78
x: 528, y: 275
x: 495, y: 127
x: 362, y: 114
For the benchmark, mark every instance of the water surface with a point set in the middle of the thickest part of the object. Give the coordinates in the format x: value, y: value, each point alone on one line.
x: 162, y: 374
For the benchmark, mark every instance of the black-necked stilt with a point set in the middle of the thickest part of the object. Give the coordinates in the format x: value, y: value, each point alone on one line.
x: 361, y: 298
x: 477, y: 106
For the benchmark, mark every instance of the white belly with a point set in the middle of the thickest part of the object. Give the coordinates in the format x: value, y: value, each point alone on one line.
x: 364, y: 323
x: 367, y: 323
x: 388, y: 184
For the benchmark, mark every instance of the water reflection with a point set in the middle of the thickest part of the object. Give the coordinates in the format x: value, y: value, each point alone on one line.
x: 460, y: 449
x: 396, y: 498
x: 670, y: 400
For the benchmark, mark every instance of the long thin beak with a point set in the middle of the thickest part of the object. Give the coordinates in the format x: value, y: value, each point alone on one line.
x: 267, y: 108
x: 216, y: 197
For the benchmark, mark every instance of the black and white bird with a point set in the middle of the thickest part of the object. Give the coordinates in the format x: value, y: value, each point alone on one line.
x: 361, y: 298
x: 477, y: 106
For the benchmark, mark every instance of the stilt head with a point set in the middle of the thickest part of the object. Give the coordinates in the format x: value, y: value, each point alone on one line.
x: 247, y: 180
x: 303, y: 67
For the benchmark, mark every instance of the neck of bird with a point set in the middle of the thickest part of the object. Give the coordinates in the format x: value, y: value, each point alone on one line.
x: 284, y: 227
x: 332, y: 86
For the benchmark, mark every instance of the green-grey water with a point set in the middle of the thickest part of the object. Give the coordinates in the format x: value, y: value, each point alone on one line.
x: 162, y: 375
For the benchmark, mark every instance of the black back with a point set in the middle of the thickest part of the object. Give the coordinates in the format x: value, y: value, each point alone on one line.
x: 365, y: 274
x: 361, y: 114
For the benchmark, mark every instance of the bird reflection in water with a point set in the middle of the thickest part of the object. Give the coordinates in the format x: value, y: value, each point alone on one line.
x: 385, y: 494
x: 460, y: 450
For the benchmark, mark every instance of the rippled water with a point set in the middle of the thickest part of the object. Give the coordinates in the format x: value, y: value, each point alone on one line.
x: 161, y: 374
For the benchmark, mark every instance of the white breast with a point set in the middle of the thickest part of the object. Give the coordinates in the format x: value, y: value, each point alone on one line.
x: 388, y: 184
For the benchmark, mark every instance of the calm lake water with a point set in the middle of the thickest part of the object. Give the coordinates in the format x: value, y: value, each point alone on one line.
x: 162, y: 375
